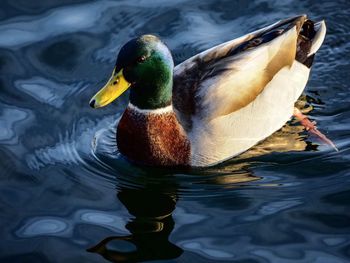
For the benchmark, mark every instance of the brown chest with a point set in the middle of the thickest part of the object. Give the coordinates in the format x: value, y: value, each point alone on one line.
x: 153, y: 139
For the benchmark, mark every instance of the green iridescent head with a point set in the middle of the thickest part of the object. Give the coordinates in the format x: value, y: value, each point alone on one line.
x: 146, y: 66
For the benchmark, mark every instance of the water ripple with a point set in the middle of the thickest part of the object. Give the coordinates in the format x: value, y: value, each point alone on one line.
x: 48, y: 91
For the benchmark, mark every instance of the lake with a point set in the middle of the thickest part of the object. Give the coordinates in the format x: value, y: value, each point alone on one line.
x: 66, y: 193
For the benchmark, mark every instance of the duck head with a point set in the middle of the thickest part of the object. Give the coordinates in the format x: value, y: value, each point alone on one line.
x: 144, y: 65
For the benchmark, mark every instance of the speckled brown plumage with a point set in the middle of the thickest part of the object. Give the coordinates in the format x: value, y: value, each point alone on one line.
x: 153, y: 139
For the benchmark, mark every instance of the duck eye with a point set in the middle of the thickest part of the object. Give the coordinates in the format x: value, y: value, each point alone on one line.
x: 141, y: 59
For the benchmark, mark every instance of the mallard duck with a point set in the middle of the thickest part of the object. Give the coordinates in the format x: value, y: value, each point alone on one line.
x: 216, y: 104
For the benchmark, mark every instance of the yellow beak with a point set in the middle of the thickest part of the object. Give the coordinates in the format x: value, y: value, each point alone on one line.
x: 115, y: 87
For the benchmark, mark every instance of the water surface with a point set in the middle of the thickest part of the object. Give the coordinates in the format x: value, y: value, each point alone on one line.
x: 66, y: 194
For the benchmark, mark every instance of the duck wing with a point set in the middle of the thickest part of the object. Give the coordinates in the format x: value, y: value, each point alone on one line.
x: 232, y: 96
x: 228, y: 77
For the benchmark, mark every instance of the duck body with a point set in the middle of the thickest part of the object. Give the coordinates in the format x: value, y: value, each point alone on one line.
x: 218, y: 103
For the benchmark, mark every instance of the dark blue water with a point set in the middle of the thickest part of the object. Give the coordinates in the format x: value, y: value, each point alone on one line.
x: 66, y: 195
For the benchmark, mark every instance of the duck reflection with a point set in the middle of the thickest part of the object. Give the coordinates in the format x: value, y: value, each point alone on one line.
x: 152, y: 208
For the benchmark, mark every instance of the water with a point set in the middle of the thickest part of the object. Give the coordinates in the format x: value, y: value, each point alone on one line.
x: 66, y: 195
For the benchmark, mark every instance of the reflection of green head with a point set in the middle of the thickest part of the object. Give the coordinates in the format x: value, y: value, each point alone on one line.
x: 149, y: 229
x: 148, y: 65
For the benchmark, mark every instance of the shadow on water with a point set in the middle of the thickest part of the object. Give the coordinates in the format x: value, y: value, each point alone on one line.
x: 152, y: 209
x: 151, y: 204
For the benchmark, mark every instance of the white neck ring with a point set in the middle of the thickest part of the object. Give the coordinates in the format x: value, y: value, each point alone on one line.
x: 163, y: 110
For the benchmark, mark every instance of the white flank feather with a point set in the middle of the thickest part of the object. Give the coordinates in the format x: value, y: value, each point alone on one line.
x: 230, y: 135
x: 247, y: 69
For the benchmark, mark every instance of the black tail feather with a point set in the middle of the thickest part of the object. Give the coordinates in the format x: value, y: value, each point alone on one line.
x: 304, y: 43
